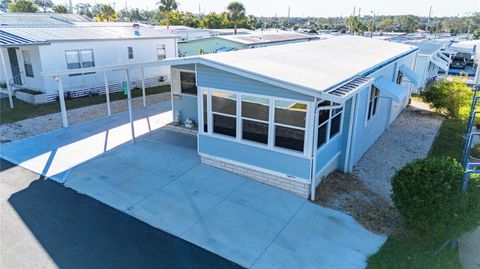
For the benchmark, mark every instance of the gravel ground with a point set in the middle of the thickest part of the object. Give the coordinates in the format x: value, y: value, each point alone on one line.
x: 409, y: 137
x: 470, y: 250
x: 41, y: 124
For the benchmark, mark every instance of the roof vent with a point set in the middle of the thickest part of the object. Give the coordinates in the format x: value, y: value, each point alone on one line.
x: 136, y: 29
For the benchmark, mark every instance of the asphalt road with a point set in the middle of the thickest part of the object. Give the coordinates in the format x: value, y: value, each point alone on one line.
x: 45, y: 225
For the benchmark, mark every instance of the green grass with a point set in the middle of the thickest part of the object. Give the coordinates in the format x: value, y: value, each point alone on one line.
x: 24, y: 110
x: 403, y: 254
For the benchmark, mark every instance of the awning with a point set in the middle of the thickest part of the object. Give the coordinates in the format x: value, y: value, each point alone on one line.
x: 411, y: 75
x: 445, y: 58
x: 442, y: 64
x: 397, y: 92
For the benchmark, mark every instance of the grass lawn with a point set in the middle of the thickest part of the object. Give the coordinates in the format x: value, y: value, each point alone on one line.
x: 24, y: 110
x: 402, y: 254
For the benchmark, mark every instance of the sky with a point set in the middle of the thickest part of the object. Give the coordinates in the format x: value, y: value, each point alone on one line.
x: 314, y: 8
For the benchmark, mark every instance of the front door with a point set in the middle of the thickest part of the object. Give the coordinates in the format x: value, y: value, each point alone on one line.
x: 12, y: 56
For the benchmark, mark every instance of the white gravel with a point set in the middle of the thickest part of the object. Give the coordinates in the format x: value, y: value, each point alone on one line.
x: 41, y: 124
x: 409, y: 137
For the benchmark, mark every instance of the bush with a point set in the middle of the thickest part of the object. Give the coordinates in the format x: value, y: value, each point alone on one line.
x: 427, y: 193
x: 450, y: 96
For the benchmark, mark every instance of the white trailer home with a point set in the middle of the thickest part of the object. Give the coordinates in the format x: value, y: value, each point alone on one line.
x: 29, y: 52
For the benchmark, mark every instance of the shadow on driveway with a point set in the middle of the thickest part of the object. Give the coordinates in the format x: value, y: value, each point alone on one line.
x: 76, y: 231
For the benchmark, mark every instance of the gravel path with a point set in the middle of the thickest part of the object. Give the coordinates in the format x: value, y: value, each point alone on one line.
x: 409, y: 137
x: 41, y: 124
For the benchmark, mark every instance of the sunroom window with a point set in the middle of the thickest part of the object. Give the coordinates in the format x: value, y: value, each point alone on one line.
x: 373, y: 102
x: 255, y: 118
x: 329, y: 123
x: 290, y: 118
x: 224, y: 113
x: 188, y: 83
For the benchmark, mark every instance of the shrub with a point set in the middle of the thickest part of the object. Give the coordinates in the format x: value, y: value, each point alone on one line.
x: 450, y: 96
x: 427, y: 193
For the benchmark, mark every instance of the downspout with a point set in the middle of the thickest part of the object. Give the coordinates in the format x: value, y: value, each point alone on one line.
x: 313, y: 167
x: 346, y: 167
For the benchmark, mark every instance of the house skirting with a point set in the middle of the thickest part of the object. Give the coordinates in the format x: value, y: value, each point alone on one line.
x: 294, y: 185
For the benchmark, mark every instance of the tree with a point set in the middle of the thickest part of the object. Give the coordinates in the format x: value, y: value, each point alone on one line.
x: 26, y: 6
x: 387, y: 25
x: 476, y: 34
x: 355, y: 25
x: 84, y: 9
x: 236, y: 13
x: 408, y: 23
x: 106, y: 13
x: 212, y: 20
x: 60, y: 9
x: 167, y: 6
x: 44, y: 4
x: 449, y: 96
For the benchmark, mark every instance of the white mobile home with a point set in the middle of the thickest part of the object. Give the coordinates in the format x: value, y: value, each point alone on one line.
x: 28, y: 52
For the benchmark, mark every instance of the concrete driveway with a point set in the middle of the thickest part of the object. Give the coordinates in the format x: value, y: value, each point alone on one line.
x: 161, y: 181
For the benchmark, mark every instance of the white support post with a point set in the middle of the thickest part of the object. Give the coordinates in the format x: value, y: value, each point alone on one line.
x: 9, y: 87
x: 61, y: 97
x: 143, y: 89
x: 107, y: 92
x: 129, y: 101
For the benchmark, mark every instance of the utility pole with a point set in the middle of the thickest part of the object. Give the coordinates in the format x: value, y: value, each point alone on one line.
x: 354, y: 10
x: 373, y: 25
x: 359, y: 12
x: 468, y: 31
x: 70, y: 9
x: 288, y: 17
x: 428, y: 21
x: 199, y: 10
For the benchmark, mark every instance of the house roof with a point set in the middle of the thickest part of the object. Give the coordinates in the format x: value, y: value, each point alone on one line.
x: 314, y: 66
x: 83, y: 32
x: 39, y: 19
x: 267, y: 37
x: 429, y: 47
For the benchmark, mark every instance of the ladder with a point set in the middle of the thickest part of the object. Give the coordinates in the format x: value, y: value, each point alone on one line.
x: 471, y: 165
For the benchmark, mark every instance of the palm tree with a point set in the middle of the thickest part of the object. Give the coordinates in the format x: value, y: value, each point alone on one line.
x: 354, y: 24
x: 236, y: 13
x: 106, y: 13
x: 167, y: 6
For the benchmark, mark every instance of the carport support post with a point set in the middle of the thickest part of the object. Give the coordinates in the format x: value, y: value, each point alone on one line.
x: 143, y: 88
x: 129, y: 101
x: 61, y: 97
x: 107, y: 93
x: 9, y: 88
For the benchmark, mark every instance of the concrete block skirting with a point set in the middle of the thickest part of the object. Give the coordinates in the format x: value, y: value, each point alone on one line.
x: 295, y: 186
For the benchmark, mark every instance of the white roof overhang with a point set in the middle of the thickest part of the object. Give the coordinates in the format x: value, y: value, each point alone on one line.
x: 392, y: 89
x: 411, y: 75
x: 440, y: 63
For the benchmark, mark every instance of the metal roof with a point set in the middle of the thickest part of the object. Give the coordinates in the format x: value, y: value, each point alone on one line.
x: 351, y: 86
x: 84, y: 32
x: 315, y: 66
x: 39, y: 19
x: 429, y: 47
x: 8, y: 39
x: 267, y: 37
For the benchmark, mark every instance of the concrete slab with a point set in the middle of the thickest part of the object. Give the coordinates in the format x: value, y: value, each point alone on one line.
x: 278, y: 203
x: 296, y: 248
x: 211, y: 179
x: 235, y: 232
x: 338, y: 227
x: 175, y: 208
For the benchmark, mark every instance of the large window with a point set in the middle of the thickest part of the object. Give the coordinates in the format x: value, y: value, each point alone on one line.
x: 255, y: 119
x: 80, y: 59
x: 27, y: 63
x: 290, y: 119
x: 224, y: 113
x: 187, y: 83
x: 161, y: 53
x: 373, y: 102
x: 329, y: 123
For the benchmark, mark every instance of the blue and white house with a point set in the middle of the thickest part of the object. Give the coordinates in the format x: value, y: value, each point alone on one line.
x: 288, y: 115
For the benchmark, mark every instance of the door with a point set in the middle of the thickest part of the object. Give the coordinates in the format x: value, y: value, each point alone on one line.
x: 12, y: 56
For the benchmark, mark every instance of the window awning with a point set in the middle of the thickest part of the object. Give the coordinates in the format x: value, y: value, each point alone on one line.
x: 394, y: 90
x: 445, y: 58
x: 411, y: 75
x: 442, y: 64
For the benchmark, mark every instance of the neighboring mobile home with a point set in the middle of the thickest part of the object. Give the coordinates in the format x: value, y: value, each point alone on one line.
x: 289, y: 115
x: 28, y: 52
x: 225, y: 43
x: 430, y: 61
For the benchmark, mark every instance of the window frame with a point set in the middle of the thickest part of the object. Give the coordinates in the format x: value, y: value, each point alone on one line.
x: 164, y: 48
x: 212, y: 113
x: 271, y: 124
x: 130, y: 54
x: 25, y: 64
x: 79, y: 57
x: 369, y: 116
x: 180, y: 71
x: 242, y: 118
x: 328, y: 122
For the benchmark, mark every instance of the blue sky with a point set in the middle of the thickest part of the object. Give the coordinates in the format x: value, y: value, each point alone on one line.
x: 317, y: 8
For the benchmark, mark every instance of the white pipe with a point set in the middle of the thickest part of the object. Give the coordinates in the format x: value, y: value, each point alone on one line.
x: 143, y: 89
x: 107, y: 93
x: 346, y: 167
x: 129, y: 101
x: 61, y: 97
x: 9, y: 88
x: 313, y: 172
